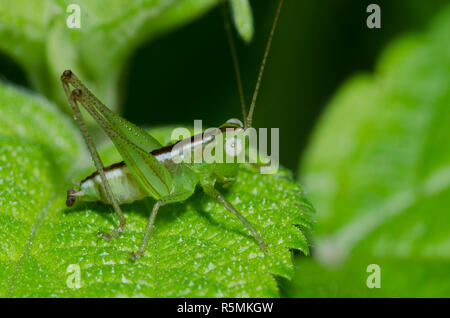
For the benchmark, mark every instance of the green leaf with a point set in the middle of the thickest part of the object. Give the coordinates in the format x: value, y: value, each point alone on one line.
x: 243, y: 18
x: 36, y: 35
x: 378, y: 170
x: 197, y: 249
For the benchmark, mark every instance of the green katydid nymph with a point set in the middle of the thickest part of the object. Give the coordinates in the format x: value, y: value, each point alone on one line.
x: 148, y: 168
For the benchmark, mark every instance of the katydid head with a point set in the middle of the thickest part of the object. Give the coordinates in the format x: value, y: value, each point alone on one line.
x: 233, y: 130
x: 234, y: 122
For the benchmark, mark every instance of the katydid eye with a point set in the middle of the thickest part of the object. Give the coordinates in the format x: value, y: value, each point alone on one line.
x: 233, y: 146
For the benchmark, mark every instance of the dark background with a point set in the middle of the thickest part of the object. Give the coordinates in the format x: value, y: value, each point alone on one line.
x: 188, y: 74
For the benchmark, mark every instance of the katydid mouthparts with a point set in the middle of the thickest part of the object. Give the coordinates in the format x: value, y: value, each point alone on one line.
x: 148, y: 169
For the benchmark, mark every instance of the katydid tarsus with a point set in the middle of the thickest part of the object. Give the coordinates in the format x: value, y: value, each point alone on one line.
x: 148, y: 168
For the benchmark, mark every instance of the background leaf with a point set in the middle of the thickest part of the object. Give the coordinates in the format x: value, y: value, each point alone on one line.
x: 242, y: 18
x: 197, y: 248
x: 378, y: 170
x: 36, y: 36
x: 38, y: 150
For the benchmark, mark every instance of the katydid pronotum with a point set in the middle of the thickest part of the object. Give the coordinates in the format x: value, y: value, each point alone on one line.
x: 148, y: 168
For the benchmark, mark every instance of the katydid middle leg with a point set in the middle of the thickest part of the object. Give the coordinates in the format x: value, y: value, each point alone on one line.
x: 135, y: 255
x: 213, y: 192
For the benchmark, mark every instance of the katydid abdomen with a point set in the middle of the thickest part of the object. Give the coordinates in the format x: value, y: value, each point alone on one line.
x: 124, y: 186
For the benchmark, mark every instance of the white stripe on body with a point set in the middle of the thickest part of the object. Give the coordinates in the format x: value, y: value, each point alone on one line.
x: 124, y: 187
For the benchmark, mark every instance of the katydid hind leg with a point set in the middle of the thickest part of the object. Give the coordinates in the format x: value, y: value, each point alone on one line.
x: 98, y: 164
x: 130, y: 131
x: 135, y: 255
x: 132, y: 142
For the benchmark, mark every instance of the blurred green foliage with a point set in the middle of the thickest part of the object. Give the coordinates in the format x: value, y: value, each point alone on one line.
x: 35, y: 34
x: 243, y: 18
x: 378, y: 171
